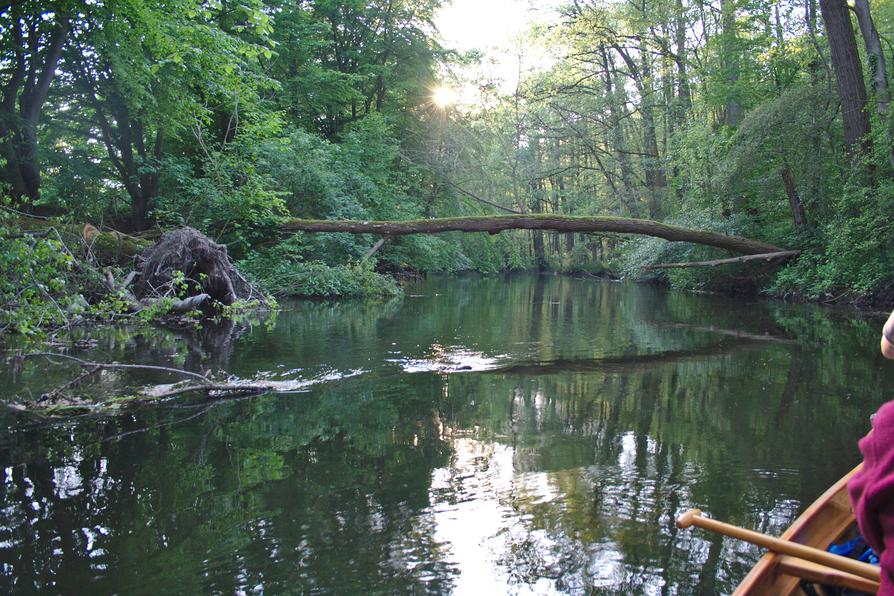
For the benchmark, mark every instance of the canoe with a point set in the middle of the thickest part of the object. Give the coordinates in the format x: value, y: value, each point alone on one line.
x: 829, y: 519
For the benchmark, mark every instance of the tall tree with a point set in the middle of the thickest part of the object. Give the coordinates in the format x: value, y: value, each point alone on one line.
x: 875, y: 55
x: 144, y: 70
x: 730, y: 62
x: 32, y: 36
x: 877, y: 70
x: 848, y: 73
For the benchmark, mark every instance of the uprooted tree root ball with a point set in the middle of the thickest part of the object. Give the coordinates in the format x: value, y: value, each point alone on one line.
x: 56, y: 275
x: 204, y: 265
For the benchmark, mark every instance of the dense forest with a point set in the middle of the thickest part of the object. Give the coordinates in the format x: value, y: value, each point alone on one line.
x: 767, y: 120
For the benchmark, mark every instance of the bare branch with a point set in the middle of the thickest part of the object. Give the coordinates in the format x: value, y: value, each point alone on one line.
x: 115, y: 365
x: 771, y: 257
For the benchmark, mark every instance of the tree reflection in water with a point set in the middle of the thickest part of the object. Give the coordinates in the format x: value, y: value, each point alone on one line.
x: 601, y: 411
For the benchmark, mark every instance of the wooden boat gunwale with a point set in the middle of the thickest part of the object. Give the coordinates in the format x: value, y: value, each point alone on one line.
x: 826, y: 520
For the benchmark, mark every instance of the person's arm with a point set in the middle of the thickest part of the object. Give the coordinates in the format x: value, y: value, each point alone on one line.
x: 888, y: 338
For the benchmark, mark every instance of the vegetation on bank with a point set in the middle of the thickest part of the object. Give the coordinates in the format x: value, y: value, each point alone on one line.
x: 232, y: 117
x: 281, y: 272
x: 53, y: 276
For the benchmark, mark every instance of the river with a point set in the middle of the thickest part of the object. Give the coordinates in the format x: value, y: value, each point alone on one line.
x: 519, y: 434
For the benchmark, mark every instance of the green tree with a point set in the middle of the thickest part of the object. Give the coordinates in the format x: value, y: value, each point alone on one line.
x: 145, y: 71
x: 33, y: 35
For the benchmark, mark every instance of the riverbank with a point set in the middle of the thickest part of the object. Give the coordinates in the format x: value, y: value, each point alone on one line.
x: 57, y: 275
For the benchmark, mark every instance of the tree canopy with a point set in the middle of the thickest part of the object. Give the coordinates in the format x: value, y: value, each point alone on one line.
x: 767, y: 120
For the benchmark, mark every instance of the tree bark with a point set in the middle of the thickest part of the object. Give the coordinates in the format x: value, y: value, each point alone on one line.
x: 537, y: 208
x: 877, y: 69
x: 794, y: 199
x: 616, y: 102
x: 499, y: 223
x: 655, y: 176
x: 848, y: 73
x: 875, y: 55
x: 683, y: 93
x: 656, y: 180
x: 730, y: 60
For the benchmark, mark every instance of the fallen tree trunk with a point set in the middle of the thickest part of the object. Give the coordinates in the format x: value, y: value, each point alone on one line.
x: 770, y: 257
x: 113, y: 248
x: 202, y: 267
x: 500, y: 223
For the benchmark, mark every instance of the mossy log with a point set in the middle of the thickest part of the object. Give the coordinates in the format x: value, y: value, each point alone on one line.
x: 113, y: 248
x: 108, y: 247
x: 498, y: 223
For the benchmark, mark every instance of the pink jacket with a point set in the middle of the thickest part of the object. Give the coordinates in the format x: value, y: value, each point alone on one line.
x: 872, y: 492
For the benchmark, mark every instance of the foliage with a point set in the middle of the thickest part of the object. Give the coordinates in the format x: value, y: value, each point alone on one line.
x: 35, y: 290
x: 642, y: 252
x: 230, y: 200
x: 853, y: 253
x: 227, y: 116
x: 281, y: 271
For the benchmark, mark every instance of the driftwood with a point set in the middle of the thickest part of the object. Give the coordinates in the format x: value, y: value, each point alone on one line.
x: 58, y: 401
x: 770, y: 257
x: 191, y: 303
x: 498, y: 223
x: 375, y: 248
x: 116, y: 365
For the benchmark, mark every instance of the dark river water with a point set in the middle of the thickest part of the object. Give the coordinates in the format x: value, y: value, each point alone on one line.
x: 513, y: 435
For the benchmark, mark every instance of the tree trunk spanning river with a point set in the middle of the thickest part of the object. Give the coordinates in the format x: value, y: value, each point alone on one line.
x: 486, y: 436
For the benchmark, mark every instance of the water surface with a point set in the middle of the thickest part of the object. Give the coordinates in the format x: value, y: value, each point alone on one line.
x: 524, y: 434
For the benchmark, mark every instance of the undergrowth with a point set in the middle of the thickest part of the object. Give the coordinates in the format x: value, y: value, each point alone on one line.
x: 281, y: 274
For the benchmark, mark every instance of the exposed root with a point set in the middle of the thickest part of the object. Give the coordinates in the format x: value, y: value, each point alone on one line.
x: 205, y: 265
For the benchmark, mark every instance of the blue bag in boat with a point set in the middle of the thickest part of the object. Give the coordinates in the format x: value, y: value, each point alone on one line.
x: 855, y: 549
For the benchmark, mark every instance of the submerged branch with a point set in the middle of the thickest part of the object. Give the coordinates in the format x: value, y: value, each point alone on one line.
x: 60, y: 401
x: 212, y: 389
x: 629, y: 364
x: 115, y: 365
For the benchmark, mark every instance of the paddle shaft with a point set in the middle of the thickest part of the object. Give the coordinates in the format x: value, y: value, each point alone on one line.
x: 693, y: 517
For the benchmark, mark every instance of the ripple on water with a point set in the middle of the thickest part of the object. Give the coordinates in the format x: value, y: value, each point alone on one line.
x: 448, y: 359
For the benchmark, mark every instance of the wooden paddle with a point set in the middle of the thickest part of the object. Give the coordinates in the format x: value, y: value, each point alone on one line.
x: 817, y: 574
x: 693, y: 517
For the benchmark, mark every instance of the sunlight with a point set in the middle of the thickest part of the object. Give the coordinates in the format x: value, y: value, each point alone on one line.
x: 496, y: 29
x: 444, y: 97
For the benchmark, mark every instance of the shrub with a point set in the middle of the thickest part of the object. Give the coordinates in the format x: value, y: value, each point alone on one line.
x: 281, y: 272
x: 34, y: 290
x: 851, y: 258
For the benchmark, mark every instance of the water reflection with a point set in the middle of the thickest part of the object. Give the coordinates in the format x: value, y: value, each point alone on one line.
x: 589, y: 416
